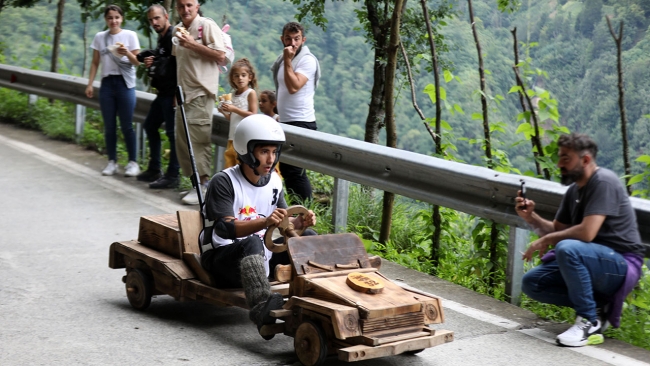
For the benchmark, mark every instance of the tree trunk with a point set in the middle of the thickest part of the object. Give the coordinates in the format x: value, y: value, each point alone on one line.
x: 481, y: 72
x: 58, y: 29
x: 486, y: 133
x: 621, y: 100
x: 376, y: 111
x: 85, y: 38
x: 391, y: 134
x: 436, y: 218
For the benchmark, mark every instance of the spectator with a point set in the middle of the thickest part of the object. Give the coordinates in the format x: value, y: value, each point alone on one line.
x: 598, y: 252
x: 296, y: 73
x: 269, y: 105
x: 244, y: 103
x: 117, y: 49
x: 197, y: 57
x: 162, y: 70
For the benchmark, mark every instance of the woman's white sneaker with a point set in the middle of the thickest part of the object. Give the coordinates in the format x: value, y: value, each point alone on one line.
x: 131, y: 169
x: 110, y: 169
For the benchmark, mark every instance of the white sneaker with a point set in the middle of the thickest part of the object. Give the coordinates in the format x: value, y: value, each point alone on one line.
x: 131, y: 169
x: 192, y: 198
x: 110, y: 169
x: 582, y: 333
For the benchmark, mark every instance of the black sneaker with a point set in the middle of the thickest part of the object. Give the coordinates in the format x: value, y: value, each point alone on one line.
x: 260, y: 314
x: 149, y: 175
x: 165, y: 182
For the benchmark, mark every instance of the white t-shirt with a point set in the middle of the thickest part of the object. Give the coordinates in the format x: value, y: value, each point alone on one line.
x: 240, y: 101
x: 126, y: 37
x: 298, y: 107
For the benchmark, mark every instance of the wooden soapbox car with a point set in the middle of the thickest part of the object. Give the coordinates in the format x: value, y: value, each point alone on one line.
x: 336, y: 301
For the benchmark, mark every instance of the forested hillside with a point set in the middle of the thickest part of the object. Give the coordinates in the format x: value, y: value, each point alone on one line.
x: 573, y: 46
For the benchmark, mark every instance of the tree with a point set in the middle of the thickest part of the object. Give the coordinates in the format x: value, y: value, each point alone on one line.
x: 16, y: 4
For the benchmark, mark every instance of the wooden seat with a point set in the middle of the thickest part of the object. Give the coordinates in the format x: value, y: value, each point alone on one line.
x: 190, y: 226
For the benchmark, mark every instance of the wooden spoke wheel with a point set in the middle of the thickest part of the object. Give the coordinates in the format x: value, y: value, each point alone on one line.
x: 310, y: 344
x: 286, y: 229
x: 139, y: 288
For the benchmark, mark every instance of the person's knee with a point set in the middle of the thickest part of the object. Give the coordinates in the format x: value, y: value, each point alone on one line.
x: 251, y: 246
x: 528, y: 284
x: 568, y: 247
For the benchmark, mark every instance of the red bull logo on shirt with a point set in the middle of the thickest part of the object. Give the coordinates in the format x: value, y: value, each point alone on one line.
x: 248, y: 211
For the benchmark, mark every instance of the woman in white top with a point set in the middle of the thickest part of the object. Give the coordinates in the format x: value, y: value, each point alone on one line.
x: 116, y: 48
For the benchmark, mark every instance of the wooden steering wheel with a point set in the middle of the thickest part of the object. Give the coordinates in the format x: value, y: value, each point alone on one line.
x: 286, y: 229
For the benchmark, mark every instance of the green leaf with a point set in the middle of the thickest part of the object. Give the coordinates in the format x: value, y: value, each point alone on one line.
x: 524, y: 128
x: 459, y: 109
x: 514, y: 89
x: 477, y: 116
x: 487, y: 72
x: 448, y: 76
x: 443, y: 94
x: 445, y: 125
x: 644, y: 159
x: 636, y: 179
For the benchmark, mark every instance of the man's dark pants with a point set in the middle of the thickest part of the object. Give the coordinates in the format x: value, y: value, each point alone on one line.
x: 295, y: 177
x: 223, y: 263
x: 162, y: 110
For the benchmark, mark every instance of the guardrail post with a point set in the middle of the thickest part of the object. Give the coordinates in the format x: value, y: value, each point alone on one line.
x: 340, y: 205
x: 517, y: 242
x: 79, y: 121
x: 140, y: 146
x: 32, y: 99
x: 218, y: 159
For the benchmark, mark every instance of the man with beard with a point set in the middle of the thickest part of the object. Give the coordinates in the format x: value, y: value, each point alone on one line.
x: 162, y: 70
x: 597, y: 254
x: 296, y: 73
x: 199, y: 52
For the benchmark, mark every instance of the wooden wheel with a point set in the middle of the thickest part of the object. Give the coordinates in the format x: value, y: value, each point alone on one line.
x: 139, y: 288
x: 286, y: 229
x: 310, y: 344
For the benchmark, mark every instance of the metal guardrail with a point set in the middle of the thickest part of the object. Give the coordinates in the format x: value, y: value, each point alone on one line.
x: 474, y: 190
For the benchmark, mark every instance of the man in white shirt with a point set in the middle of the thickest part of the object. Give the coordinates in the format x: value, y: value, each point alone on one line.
x: 197, y: 57
x: 296, y: 73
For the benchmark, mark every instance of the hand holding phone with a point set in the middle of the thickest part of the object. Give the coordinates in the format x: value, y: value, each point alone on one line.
x: 523, y: 194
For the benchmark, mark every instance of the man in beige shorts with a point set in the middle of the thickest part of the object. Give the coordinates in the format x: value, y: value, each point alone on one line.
x: 197, y: 56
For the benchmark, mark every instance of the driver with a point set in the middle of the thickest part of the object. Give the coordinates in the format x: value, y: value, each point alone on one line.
x: 243, y: 201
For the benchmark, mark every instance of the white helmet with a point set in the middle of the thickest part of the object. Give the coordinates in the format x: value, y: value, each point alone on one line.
x: 255, y: 130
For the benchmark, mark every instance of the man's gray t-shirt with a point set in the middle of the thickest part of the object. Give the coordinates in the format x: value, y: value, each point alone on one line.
x: 603, y: 195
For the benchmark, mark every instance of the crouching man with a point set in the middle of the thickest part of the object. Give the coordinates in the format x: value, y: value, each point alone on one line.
x: 597, y: 254
x: 243, y: 201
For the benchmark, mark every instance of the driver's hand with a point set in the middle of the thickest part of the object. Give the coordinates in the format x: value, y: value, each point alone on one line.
x: 276, y: 217
x: 304, y: 221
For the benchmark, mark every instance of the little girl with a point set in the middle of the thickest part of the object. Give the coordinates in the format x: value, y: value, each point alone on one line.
x: 269, y: 104
x: 244, y: 103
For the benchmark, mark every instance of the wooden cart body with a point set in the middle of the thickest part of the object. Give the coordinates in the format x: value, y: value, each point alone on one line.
x: 323, y: 314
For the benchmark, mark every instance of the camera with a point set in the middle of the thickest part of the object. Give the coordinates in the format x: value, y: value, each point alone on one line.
x: 144, y: 54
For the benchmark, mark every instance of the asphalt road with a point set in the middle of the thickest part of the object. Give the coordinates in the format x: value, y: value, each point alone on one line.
x: 60, y: 304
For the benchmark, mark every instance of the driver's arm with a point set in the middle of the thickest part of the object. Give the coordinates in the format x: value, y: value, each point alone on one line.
x: 245, y: 228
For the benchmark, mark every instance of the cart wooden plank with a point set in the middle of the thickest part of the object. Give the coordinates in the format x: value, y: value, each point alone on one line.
x: 362, y: 352
x: 392, y: 301
x: 326, y: 250
x: 345, y: 319
x: 161, y: 232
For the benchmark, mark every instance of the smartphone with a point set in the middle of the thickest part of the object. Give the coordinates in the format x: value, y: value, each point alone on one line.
x: 523, y: 194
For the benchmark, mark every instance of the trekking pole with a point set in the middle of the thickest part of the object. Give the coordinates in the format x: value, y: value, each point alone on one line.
x: 196, y: 180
